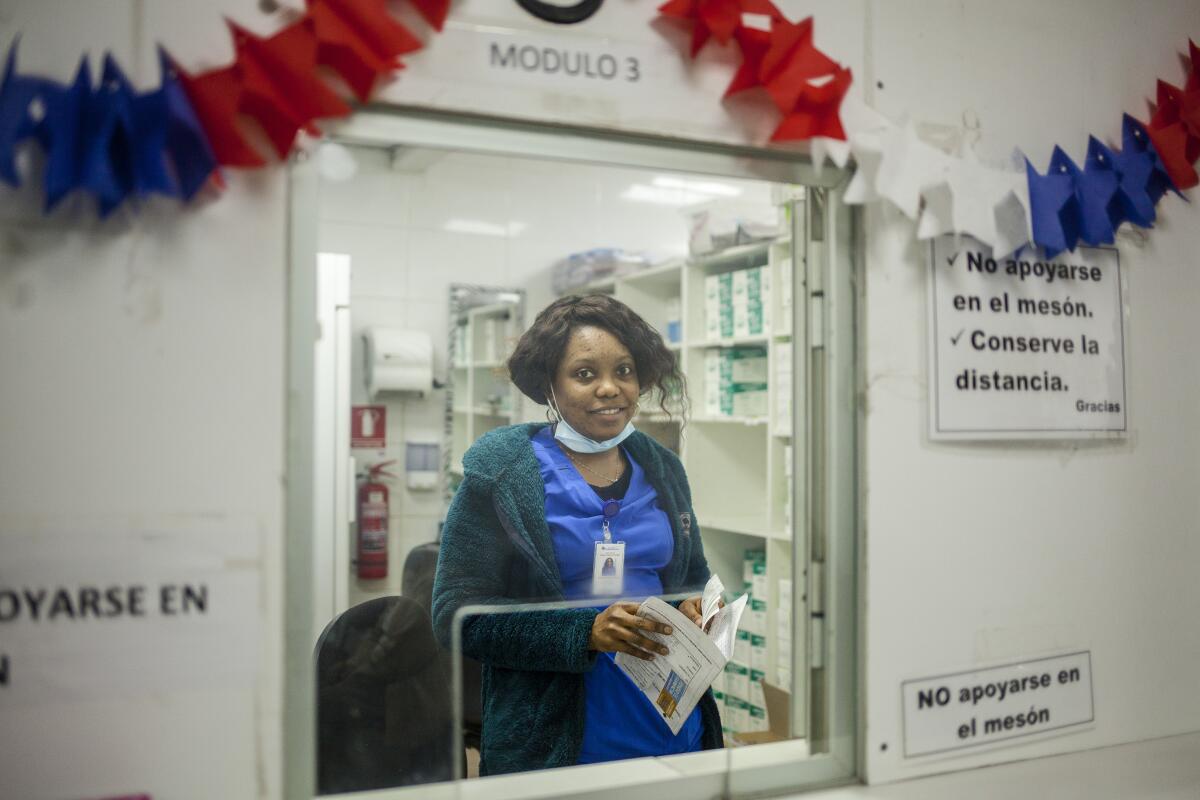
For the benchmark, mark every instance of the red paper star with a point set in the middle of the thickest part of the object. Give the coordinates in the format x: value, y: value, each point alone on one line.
x: 434, y: 11
x: 754, y: 44
x: 791, y: 62
x: 1171, y: 142
x: 717, y: 18
x: 215, y: 97
x: 280, y: 85
x: 359, y: 40
x: 1171, y: 129
x: 816, y: 112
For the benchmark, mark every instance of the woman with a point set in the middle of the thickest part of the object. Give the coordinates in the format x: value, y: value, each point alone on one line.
x: 540, y: 511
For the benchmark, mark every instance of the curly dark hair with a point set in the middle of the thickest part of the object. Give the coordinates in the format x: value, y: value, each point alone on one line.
x: 540, y: 350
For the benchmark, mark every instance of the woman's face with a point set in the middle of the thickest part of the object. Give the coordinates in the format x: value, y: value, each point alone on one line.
x: 596, y: 386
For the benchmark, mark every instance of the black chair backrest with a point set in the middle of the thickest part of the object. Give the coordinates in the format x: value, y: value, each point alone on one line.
x: 416, y: 583
x: 383, y: 700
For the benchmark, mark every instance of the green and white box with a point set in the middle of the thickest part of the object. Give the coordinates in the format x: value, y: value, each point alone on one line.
x: 737, y: 679
x: 748, y: 364
x: 758, y: 654
x: 712, y: 308
x: 758, y: 718
x: 748, y: 400
x: 739, y: 286
x: 756, y: 691
x: 757, y: 301
x: 758, y: 615
x: 725, y: 307
x: 759, y: 581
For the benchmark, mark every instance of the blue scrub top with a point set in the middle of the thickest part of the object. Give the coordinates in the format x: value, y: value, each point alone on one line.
x: 619, y: 721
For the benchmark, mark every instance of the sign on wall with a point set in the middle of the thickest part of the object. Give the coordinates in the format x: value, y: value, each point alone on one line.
x: 1025, y: 346
x: 991, y: 706
x: 91, y: 614
x: 368, y: 427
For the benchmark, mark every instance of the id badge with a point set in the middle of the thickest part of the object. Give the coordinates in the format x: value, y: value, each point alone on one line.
x: 608, y: 569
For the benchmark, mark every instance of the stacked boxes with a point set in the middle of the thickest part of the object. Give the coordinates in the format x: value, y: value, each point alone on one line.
x: 735, y: 382
x: 744, y: 708
x: 737, y: 303
x: 718, y: 307
x: 750, y: 294
x: 783, y: 633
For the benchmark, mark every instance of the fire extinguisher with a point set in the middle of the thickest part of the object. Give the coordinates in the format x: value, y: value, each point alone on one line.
x: 373, y: 523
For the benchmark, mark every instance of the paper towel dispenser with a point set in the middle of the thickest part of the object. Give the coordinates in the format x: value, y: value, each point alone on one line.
x: 398, y: 360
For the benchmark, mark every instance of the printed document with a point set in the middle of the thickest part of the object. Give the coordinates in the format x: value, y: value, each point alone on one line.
x: 674, y: 683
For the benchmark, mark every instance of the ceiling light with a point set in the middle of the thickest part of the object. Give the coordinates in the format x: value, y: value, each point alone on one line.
x: 481, y: 228
x: 701, y: 187
x: 641, y: 193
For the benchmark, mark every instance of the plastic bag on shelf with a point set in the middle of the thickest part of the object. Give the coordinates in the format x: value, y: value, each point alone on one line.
x: 580, y: 269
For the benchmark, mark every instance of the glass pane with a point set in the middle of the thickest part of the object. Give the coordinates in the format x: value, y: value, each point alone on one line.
x: 462, y: 251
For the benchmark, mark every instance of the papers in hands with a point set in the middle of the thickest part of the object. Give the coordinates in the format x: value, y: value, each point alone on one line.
x: 674, y: 683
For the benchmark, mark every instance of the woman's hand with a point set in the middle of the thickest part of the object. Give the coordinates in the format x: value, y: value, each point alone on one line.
x: 618, y: 629
x: 692, y: 608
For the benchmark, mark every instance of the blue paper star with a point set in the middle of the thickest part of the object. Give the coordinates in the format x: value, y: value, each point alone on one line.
x: 151, y: 172
x: 1143, y: 180
x: 1100, y: 209
x: 20, y: 104
x: 186, y: 142
x: 60, y: 134
x: 108, y: 144
x: 1053, y: 206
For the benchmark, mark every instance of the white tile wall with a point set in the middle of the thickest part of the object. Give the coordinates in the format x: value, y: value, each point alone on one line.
x: 392, y: 224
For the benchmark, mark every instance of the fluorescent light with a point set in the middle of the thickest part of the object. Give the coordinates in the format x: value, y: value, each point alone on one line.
x: 641, y: 193
x: 482, y: 228
x: 701, y: 187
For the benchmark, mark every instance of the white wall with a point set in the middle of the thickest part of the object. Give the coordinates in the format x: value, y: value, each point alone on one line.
x: 984, y: 554
x: 143, y: 390
x: 169, y: 402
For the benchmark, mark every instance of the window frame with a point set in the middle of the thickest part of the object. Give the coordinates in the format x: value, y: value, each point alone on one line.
x: 824, y: 324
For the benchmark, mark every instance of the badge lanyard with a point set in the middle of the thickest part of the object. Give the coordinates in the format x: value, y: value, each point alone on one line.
x: 608, y: 566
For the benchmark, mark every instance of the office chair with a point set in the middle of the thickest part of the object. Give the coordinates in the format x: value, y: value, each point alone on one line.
x: 416, y: 583
x: 383, y: 700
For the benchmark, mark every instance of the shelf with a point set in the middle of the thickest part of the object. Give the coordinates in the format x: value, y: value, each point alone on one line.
x: 754, y: 254
x: 740, y: 525
x: 733, y: 341
x: 747, y: 421
x: 663, y: 276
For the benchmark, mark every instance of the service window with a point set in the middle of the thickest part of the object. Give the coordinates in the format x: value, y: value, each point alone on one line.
x: 560, y: 405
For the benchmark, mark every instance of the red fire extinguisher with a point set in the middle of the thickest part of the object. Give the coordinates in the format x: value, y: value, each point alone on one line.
x: 373, y: 523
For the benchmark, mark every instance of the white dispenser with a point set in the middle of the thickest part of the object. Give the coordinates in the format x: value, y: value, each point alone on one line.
x: 398, y: 360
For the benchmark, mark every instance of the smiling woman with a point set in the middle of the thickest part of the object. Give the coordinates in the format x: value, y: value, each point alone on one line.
x: 560, y: 489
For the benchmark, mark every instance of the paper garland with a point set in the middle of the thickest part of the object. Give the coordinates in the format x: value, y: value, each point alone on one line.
x: 116, y: 144
x: 1006, y: 209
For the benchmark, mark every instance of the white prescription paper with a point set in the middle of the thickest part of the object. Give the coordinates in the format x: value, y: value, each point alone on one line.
x: 674, y: 683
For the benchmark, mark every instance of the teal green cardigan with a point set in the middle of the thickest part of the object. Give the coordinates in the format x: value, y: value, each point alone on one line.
x: 496, y: 550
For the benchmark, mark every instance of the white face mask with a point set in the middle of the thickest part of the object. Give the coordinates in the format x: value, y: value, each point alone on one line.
x: 576, y: 441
